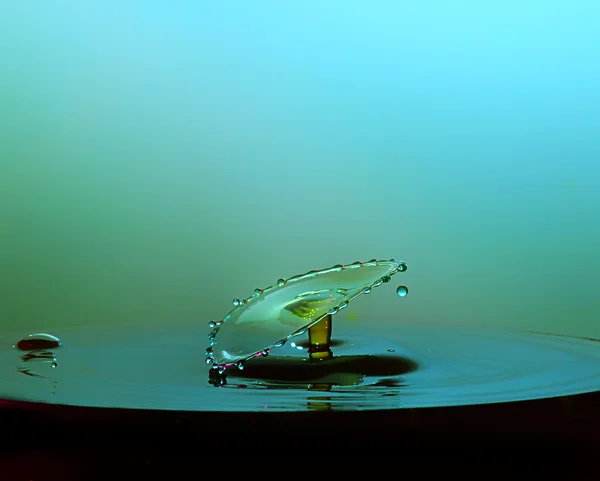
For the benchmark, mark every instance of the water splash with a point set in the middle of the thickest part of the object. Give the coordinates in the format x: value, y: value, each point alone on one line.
x: 273, y: 315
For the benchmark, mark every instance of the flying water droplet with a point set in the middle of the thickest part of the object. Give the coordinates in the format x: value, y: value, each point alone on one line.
x: 54, y: 364
x: 402, y: 291
x: 38, y: 341
x: 209, y: 351
x: 212, y: 324
x: 402, y: 267
x: 208, y: 360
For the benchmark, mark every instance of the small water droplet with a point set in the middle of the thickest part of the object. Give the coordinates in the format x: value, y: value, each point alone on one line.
x: 402, y: 267
x: 366, y: 290
x: 391, y: 350
x: 281, y: 282
x: 54, y: 364
x: 402, y: 291
x: 236, y: 302
x: 257, y: 292
x: 38, y: 341
x: 280, y: 343
x: 265, y: 353
x: 212, y: 324
x: 208, y: 360
x: 240, y: 365
x: 333, y: 311
x: 209, y: 351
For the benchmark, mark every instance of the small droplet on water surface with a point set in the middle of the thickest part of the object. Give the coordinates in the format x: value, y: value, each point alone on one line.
x: 402, y: 291
x: 38, y: 341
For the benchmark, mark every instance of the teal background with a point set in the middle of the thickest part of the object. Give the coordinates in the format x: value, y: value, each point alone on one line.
x: 158, y: 159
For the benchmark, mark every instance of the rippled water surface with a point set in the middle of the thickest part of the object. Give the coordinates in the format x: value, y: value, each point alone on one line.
x: 373, y: 368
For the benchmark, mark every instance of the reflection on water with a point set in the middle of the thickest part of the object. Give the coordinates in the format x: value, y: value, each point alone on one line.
x: 379, y: 368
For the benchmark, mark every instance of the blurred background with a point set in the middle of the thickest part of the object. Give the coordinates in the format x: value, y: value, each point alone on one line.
x: 158, y: 159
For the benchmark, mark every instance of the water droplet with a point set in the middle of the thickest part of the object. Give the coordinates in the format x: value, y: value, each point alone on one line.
x: 402, y: 267
x: 343, y: 305
x: 209, y: 351
x: 54, y: 364
x: 391, y: 350
x: 208, y: 360
x: 236, y: 302
x: 281, y: 282
x: 257, y: 292
x: 240, y: 365
x: 402, y: 291
x: 265, y: 353
x: 385, y: 279
x: 333, y: 311
x: 212, y: 324
x: 280, y: 343
x: 38, y: 341
x: 366, y: 290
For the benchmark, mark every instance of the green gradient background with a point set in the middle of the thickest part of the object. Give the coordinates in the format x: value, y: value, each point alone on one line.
x: 158, y: 159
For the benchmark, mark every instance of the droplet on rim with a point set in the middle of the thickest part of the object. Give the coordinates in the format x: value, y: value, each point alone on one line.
x: 38, y: 341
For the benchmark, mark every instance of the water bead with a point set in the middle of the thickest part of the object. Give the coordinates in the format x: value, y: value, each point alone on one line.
x: 38, y: 341
x: 402, y: 291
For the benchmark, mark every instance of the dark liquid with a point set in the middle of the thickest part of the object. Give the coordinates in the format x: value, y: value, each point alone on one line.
x: 371, y: 368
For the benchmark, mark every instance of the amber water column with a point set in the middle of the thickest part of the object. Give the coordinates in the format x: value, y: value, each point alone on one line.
x: 319, y: 338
